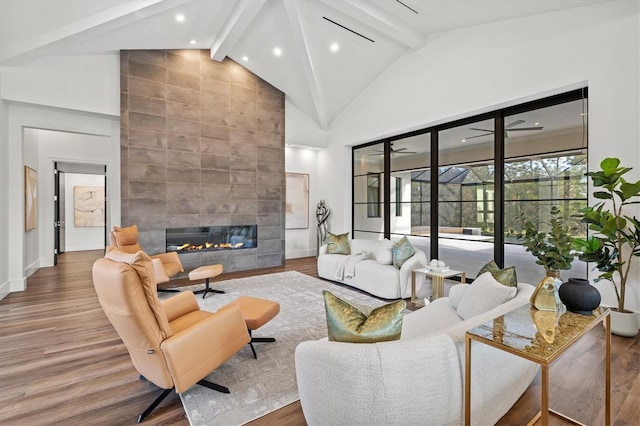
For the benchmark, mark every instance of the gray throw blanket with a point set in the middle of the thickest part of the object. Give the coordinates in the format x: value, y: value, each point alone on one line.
x: 346, y: 267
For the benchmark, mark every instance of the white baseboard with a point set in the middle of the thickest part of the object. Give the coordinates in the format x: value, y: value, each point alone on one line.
x: 5, y: 288
x: 31, y: 269
x: 18, y: 285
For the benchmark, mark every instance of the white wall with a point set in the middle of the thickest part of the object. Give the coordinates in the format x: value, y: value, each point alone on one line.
x: 464, y: 72
x: 300, y: 129
x: 75, y: 137
x: 78, y: 94
x: 68, y: 147
x: 302, y: 242
x: 81, y: 237
x: 4, y: 193
x: 30, y: 157
x: 83, y: 83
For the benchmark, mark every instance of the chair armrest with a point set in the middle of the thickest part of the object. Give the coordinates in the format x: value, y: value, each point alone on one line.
x: 418, y: 260
x: 193, y: 353
x: 179, y: 305
x: 159, y: 271
x: 168, y: 257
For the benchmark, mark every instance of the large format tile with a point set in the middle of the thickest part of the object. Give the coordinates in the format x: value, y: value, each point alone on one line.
x: 202, y: 143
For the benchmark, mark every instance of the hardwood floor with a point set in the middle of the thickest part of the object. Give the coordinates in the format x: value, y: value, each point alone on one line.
x: 61, y: 362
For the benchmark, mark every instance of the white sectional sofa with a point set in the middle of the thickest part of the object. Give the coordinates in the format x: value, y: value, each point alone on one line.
x: 376, y: 275
x: 417, y: 380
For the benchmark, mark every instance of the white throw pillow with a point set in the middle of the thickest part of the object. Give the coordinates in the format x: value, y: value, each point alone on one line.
x: 383, y: 252
x: 484, y: 294
x: 455, y: 294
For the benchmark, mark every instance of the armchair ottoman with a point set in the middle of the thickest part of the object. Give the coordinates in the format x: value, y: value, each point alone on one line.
x: 257, y: 312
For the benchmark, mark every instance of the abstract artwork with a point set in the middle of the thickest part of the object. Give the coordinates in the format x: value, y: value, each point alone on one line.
x: 88, y: 208
x: 30, y: 198
x: 297, y: 201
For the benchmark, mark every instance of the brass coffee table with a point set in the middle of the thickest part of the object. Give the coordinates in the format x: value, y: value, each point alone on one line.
x: 542, y: 338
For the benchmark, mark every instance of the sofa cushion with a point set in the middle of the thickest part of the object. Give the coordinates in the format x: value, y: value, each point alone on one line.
x: 380, y: 249
x: 338, y: 244
x: 506, y: 276
x: 484, y: 294
x: 437, y: 317
x: 346, y: 323
x: 384, y: 252
x: 402, y: 250
x: 455, y: 294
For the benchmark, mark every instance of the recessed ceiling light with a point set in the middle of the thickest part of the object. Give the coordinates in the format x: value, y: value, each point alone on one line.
x: 463, y: 140
x: 334, y: 47
x: 180, y: 18
x: 277, y: 51
x: 192, y: 42
x: 245, y: 58
x: 536, y: 123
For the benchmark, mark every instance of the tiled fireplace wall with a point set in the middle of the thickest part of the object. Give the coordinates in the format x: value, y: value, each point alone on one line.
x: 202, y: 143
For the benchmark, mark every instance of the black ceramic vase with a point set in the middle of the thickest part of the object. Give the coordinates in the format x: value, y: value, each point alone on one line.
x: 579, y: 296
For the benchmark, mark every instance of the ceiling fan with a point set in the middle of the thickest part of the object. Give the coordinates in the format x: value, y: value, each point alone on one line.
x: 508, y: 128
x: 395, y: 151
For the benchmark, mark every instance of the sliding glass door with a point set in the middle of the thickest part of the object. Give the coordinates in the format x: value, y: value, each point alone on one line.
x: 545, y: 163
x: 368, y: 192
x: 457, y: 189
x: 466, y: 195
x: 410, y: 189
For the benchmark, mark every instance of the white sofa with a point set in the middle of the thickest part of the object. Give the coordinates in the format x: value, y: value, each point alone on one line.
x: 417, y: 380
x: 375, y: 275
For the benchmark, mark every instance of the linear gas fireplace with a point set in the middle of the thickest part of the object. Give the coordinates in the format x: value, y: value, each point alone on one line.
x: 211, y: 238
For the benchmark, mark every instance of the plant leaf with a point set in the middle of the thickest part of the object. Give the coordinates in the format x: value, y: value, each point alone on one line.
x: 629, y: 190
x: 602, y: 195
x: 609, y: 165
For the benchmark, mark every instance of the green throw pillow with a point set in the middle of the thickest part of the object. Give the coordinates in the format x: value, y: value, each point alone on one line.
x: 506, y: 276
x: 338, y: 244
x: 401, y: 251
x: 346, y: 323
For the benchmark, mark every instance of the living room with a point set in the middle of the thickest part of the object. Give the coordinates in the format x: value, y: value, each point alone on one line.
x: 457, y: 73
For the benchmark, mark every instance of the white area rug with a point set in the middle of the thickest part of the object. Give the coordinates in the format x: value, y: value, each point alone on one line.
x: 268, y: 383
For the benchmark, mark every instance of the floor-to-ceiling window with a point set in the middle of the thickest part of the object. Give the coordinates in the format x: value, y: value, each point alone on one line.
x: 489, y: 169
x: 410, y: 168
x: 368, y: 192
x: 466, y: 201
x: 545, y: 161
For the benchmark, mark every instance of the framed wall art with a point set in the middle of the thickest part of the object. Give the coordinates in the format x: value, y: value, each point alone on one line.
x: 30, y: 198
x: 297, y: 201
x: 88, y: 206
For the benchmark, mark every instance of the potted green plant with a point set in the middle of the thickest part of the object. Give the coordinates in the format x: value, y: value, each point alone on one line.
x: 554, y: 250
x: 616, y: 238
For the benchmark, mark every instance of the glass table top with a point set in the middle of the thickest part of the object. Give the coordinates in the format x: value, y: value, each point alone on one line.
x: 534, y: 334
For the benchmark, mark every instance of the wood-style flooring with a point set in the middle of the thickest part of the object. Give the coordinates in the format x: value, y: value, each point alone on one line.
x: 62, y: 363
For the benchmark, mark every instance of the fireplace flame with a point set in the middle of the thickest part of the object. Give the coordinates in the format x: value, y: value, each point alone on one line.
x: 191, y: 247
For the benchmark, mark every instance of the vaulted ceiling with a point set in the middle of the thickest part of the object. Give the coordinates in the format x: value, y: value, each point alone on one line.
x: 329, y: 50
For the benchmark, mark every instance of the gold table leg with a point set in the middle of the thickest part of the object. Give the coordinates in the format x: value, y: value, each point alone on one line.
x: 467, y: 381
x: 607, y: 371
x: 544, y: 404
x: 413, y: 288
x: 438, y: 286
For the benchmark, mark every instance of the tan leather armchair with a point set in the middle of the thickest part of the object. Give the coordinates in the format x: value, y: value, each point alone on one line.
x: 172, y: 343
x: 165, y: 265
